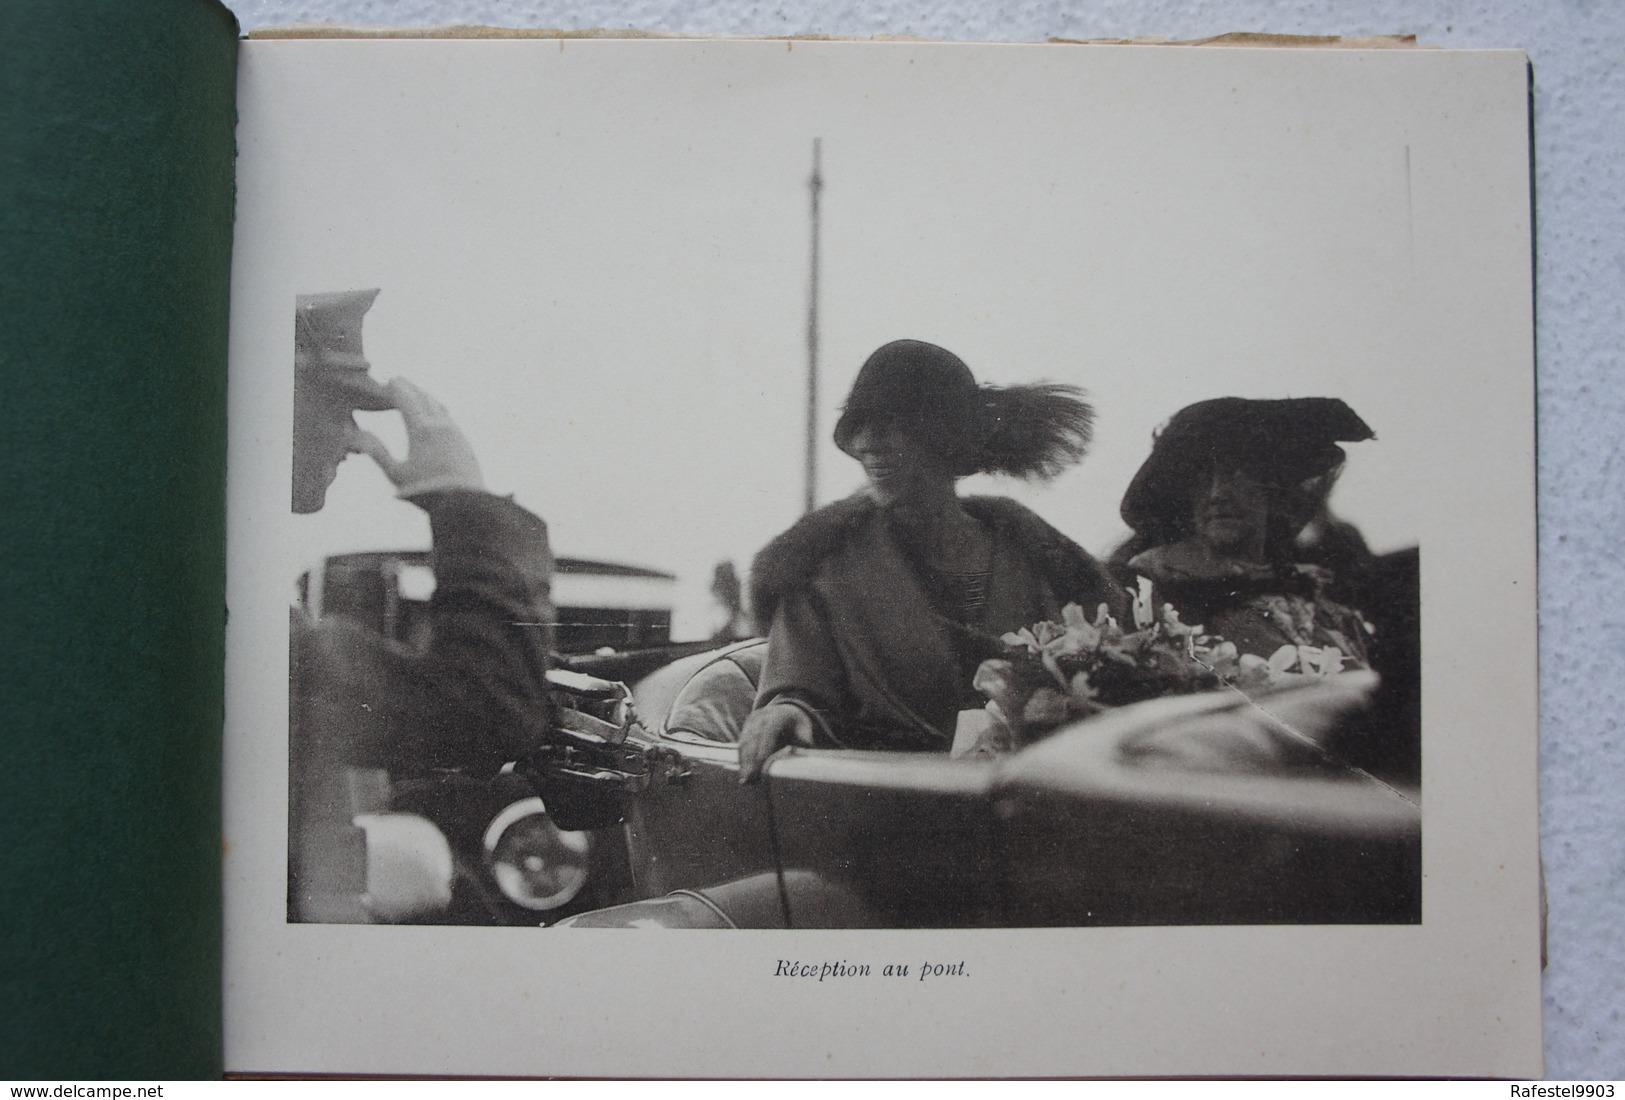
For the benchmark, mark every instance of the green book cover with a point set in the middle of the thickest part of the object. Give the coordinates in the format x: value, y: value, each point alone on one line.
x: 116, y: 156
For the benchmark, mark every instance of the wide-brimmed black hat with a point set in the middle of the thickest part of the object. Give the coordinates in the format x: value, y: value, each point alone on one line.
x: 327, y: 347
x: 928, y: 392
x: 1285, y: 442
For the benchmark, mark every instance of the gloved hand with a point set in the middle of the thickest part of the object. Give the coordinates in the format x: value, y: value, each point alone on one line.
x: 438, y: 456
x: 766, y: 732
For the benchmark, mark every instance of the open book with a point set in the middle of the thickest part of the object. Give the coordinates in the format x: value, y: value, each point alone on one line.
x: 640, y: 277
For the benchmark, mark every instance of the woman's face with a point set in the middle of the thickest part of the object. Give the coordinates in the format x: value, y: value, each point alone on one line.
x: 1231, y: 515
x: 900, y: 468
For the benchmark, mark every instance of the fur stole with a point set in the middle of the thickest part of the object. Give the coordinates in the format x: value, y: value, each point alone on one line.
x: 1193, y: 568
x: 790, y: 562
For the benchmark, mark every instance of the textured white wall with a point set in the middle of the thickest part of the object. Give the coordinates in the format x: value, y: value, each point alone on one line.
x: 1576, y: 47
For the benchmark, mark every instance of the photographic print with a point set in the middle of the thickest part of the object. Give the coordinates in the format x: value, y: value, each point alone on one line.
x: 969, y: 524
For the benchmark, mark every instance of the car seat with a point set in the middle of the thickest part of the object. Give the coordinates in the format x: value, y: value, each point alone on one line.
x: 718, y: 697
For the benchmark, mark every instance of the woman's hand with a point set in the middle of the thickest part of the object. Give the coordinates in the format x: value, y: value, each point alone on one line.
x: 766, y: 732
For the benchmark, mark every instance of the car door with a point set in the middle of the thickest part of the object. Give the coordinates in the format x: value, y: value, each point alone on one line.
x: 693, y: 825
x: 883, y: 839
x: 1204, y: 810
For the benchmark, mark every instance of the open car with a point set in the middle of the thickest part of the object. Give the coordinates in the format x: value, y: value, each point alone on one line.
x: 1198, y: 809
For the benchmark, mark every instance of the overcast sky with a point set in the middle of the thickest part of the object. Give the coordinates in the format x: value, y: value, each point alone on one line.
x: 596, y: 255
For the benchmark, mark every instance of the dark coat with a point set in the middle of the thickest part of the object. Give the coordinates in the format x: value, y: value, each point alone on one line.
x: 474, y: 698
x: 854, y: 638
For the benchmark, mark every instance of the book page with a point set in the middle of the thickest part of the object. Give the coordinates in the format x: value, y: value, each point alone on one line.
x: 628, y: 268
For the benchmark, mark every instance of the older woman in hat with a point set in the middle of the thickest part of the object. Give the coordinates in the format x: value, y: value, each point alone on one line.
x: 1217, y: 508
x: 881, y: 606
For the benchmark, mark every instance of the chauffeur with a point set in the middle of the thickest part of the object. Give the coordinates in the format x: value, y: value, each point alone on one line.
x: 476, y: 697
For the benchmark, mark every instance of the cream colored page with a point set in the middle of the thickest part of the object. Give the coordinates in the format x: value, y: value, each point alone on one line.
x: 596, y: 253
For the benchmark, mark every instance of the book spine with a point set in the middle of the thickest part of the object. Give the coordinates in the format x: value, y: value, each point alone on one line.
x: 116, y: 154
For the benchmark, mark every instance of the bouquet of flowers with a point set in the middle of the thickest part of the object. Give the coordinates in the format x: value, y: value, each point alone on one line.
x: 1054, y: 673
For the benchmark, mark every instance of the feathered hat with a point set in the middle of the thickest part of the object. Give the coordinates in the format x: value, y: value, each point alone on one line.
x: 1286, y: 442
x: 927, y: 391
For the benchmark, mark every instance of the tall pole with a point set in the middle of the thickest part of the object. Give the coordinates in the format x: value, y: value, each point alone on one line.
x: 815, y: 185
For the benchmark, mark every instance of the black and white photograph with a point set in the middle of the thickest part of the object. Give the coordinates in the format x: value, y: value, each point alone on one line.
x: 969, y: 525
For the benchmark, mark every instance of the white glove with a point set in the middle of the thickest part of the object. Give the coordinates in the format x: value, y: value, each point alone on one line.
x: 438, y: 456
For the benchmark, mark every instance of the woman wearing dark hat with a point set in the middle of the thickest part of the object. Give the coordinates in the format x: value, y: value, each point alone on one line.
x: 880, y: 607
x: 1216, y: 511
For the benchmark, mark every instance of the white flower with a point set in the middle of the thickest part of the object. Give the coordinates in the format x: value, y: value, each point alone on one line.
x: 1081, y: 689
x: 1023, y: 637
x: 1144, y: 616
x: 1283, y: 660
x: 1081, y: 634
